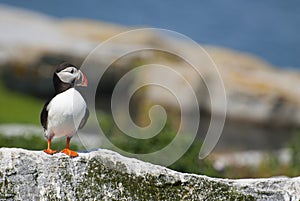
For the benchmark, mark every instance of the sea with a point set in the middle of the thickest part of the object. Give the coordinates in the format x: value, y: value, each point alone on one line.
x: 269, y: 29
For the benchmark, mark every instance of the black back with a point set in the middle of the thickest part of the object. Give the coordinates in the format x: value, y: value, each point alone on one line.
x: 44, y: 116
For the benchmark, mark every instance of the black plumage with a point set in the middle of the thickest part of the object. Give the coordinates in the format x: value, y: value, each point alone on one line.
x: 65, y: 78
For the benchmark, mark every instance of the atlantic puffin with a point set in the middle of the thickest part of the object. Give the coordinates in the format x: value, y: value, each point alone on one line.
x: 67, y: 111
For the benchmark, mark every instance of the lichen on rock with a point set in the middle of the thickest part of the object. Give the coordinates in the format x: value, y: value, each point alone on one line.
x: 106, y: 175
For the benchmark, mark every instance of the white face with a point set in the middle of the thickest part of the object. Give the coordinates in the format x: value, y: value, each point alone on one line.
x: 68, y: 75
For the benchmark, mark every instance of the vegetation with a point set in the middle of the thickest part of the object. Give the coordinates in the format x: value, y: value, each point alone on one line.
x: 18, y: 107
x: 271, y: 166
x: 188, y: 163
x: 34, y: 142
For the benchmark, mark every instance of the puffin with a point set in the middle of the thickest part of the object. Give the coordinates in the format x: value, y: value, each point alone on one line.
x: 67, y: 111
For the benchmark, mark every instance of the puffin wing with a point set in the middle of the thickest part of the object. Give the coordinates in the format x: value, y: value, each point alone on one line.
x: 85, y: 118
x: 44, y: 115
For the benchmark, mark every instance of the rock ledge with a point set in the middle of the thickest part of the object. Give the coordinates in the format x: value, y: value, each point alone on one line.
x: 106, y: 175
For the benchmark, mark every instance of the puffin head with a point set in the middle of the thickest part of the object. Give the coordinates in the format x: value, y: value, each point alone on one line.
x: 67, y: 76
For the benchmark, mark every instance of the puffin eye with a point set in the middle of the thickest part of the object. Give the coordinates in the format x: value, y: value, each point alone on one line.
x: 72, y: 71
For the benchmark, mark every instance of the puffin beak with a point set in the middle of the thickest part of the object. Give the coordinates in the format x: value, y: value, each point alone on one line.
x: 81, y: 79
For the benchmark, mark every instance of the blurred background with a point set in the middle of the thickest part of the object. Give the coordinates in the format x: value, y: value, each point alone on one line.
x: 255, y: 45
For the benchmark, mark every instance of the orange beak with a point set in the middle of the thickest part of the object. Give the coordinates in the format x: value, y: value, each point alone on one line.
x: 81, y: 80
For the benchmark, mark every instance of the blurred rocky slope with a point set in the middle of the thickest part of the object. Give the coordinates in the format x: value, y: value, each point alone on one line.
x: 31, y: 45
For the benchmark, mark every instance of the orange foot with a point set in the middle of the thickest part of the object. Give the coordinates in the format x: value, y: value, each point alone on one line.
x: 50, y: 151
x: 69, y: 152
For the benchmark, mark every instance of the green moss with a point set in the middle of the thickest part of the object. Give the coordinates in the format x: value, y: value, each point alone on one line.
x: 100, y: 179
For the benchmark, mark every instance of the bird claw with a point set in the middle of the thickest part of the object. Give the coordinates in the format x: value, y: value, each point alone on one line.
x: 50, y: 151
x: 69, y: 152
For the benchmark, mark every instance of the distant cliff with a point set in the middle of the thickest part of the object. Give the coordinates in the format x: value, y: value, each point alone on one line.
x: 106, y: 175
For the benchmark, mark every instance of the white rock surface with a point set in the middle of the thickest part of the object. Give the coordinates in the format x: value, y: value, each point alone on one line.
x: 106, y: 175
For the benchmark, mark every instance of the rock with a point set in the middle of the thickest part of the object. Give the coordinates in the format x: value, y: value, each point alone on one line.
x: 106, y: 175
x: 255, y: 90
x: 249, y: 159
x: 20, y: 129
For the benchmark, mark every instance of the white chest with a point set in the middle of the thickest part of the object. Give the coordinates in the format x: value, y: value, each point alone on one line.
x: 65, y: 112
